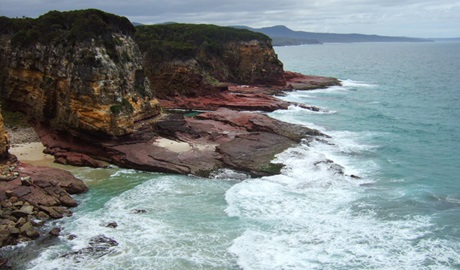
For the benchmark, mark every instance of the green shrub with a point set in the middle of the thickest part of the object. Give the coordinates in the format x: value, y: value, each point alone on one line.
x: 115, y: 109
x: 124, y: 106
x: 70, y: 26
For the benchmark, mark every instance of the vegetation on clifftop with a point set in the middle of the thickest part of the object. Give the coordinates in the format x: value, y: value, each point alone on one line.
x: 181, y: 41
x: 68, y: 27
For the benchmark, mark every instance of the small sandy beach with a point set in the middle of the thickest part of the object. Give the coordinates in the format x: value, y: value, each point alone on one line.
x: 175, y: 146
x: 26, y: 146
x: 31, y: 153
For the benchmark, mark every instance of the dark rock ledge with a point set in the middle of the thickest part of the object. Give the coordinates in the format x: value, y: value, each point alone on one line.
x: 231, y: 133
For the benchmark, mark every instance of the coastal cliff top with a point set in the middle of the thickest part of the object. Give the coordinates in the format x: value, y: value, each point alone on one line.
x: 68, y: 27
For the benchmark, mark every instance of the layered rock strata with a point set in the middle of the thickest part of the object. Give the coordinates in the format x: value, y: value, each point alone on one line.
x: 253, y: 97
x: 199, y: 145
x: 74, y: 82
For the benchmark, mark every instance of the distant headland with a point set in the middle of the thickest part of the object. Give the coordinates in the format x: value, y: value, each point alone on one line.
x: 283, y: 36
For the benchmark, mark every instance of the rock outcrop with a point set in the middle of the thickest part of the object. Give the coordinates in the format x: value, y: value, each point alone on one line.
x: 199, y: 144
x: 83, y: 85
x: 85, y: 78
x: 252, y: 97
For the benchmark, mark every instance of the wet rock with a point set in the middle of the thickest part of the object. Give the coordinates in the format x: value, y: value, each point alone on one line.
x: 98, y: 246
x: 139, y: 211
x: 55, y: 212
x: 4, y: 264
x: 55, y: 232
x: 366, y: 184
x: 254, y: 152
x: 229, y: 174
x: 28, y: 230
x: 330, y: 165
x: 112, y: 225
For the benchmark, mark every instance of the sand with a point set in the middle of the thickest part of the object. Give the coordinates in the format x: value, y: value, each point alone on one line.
x: 31, y: 153
x: 175, y: 146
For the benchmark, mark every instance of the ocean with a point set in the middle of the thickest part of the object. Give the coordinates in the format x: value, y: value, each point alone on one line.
x: 383, y: 192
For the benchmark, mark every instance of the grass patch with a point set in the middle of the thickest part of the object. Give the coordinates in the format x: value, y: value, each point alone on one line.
x: 14, y: 119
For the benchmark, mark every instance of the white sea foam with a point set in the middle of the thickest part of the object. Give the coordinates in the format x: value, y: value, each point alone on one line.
x: 230, y: 175
x: 351, y: 84
x: 123, y: 172
x: 159, y: 226
x: 295, y: 117
x: 312, y: 217
x: 296, y: 108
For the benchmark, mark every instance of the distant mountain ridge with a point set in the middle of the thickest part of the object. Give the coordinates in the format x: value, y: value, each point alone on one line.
x: 282, y: 36
x: 446, y: 39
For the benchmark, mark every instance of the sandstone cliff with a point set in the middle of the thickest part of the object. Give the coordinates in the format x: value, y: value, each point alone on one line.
x: 197, y: 60
x: 203, y: 67
x: 84, y: 76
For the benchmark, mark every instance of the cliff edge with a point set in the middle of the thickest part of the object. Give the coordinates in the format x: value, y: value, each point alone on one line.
x: 91, y: 92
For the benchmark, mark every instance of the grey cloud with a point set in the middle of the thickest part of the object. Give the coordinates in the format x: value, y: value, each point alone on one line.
x: 394, y: 17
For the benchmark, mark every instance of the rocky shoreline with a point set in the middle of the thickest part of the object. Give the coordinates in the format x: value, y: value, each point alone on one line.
x: 228, y: 134
x: 30, y: 195
x: 242, y: 139
x: 117, y: 96
x: 252, y: 97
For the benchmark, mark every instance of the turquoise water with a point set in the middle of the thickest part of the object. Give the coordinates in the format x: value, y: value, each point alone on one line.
x: 394, y: 123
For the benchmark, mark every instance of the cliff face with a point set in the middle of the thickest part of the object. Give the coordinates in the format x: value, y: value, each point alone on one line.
x: 90, y: 85
x: 251, y: 62
x: 4, y: 142
x: 197, y: 60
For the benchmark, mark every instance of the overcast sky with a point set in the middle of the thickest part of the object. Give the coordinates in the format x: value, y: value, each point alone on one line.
x: 414, y: 18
